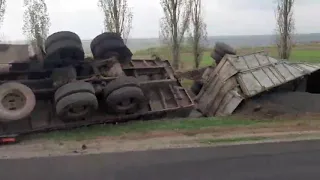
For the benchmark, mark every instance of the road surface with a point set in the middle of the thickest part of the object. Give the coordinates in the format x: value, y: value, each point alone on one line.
x: 292, y: 161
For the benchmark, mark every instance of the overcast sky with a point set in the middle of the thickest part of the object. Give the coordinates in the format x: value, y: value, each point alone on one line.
x: 223, y: 17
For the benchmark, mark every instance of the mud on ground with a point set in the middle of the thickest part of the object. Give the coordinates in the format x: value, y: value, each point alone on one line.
x: 281, y: 105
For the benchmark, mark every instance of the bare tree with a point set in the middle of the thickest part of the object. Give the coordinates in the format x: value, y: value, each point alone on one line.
x: 174, y: 24
x: 36, y: 21
x: 285, y: 27
x: 198, y: 33
x: 2, y: 10
x: 117, y: 17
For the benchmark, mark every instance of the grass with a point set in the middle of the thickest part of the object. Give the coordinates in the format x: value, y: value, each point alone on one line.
x: 145, y: 127
x: 300, y: 53
x: 231, y: 140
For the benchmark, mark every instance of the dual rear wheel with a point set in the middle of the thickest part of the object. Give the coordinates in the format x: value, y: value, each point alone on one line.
x: 77, y: 100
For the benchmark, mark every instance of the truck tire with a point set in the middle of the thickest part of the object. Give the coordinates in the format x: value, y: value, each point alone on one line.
x: 71, y: 88
x: 17, y: 101
x: 126, y: 100
x: 217, y: 57
x: 76, y: 106
x: 62, y: 35
x: 223, y: 49
x: 104, y: 36
x: 65, y: 49
x: 111, y: 45
x: 61, y: 76
x: 120, y: 82
x: 196, y: 87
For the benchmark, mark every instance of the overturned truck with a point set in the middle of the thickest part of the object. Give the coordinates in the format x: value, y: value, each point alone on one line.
x: 66, y: 90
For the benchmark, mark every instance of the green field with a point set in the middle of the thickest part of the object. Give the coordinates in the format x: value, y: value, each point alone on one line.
x: 300, y: 53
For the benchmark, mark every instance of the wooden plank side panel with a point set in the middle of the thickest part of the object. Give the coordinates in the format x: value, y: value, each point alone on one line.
x: 238, y: 63
x: 308, y: 68
x: 263, y: 60
x: 275, y: 71
x: 272, y: 76
x: 249, y: 84
x: 230, y: 103
x: 208, y: 77
x: 263, y: 78
x: 284, y: 72
x: 212, y: 87
x: 251, y: 61
x: 214, y: 104
x: 295, y: 71
x: 272, y: 60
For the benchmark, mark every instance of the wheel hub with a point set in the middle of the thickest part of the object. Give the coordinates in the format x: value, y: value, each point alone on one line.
x: 78, y: 110
x: 127, y: 104
x: 13, y: 101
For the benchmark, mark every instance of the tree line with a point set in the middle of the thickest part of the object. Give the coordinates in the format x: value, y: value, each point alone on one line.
x: 182, y: 20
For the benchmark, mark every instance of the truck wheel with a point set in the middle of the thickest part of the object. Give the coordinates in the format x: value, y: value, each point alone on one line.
x: 76, y: 106
x: 17, y: 101
x: 126, y: 100
x: 65, y: 49
x: 61, y: 76
x: 120, y: 82
x: 104, y: 36
x: 196, y: 87
x: 223, y: 49
x: 62, y: 35
x: 71, y: 88
x: 217, y: 57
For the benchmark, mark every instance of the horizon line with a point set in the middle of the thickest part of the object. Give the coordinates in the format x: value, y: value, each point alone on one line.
x: 208, y: 36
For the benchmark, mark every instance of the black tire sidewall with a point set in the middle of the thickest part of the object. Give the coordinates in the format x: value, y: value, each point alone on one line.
x: 62, y: 35
x: 125, y: 93
x: 102, y: 37
x: 82, y: 98
x: 54, y: 52
x: 71, y: 88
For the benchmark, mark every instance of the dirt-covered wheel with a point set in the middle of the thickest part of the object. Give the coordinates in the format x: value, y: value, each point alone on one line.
x: 120, y: 82
x: 71, y: 88
x: 76, y: 106
x: 107, y: 35
x: 220, y: 50
x: 63, y: 48
x: 217, y: 57
x: 110, y: 44
x: 61, y: 76
x: 62, y: 35
x: 126, y: 100
x: 17, y: 101
x: 223, y: 49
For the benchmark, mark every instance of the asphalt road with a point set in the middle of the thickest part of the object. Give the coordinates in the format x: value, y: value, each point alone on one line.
x: 282, y: 161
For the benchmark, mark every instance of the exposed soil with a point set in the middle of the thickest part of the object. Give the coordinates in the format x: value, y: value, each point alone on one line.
x: 159, y: 140
x: 279, y: 105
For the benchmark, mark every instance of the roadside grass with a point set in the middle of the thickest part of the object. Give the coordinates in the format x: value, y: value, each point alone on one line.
x: 142, y: 127
x: 232, y: 140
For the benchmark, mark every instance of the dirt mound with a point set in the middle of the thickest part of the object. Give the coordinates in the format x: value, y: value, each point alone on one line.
x: 281, y: 104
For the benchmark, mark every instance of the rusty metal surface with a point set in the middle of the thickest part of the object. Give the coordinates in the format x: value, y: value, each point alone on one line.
x: 167, y: 98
